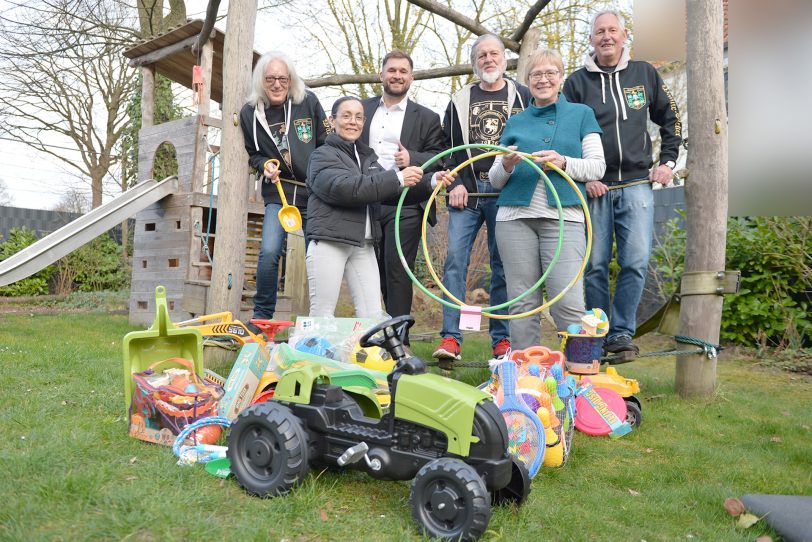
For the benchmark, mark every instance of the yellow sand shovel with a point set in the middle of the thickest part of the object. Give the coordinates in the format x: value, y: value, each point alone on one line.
x: 289, y: 216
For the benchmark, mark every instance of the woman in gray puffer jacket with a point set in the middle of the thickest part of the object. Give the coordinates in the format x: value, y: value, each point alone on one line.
x: 347, y: 186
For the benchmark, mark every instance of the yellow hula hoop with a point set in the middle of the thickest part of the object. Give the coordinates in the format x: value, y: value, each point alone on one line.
x: 578, y: 275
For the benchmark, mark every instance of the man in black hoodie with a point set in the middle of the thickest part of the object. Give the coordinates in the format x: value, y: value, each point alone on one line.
x: 624, y: 94
x: 282, y: 121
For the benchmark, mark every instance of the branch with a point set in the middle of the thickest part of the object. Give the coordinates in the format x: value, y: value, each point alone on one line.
x: 461, y: 20
x: 371, y: 78
x: 208, y: 27
x: 531, y: 15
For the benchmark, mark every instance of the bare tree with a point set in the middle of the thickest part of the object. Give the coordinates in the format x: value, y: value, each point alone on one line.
x: 355, y: 36
x: 151, y: 18
x: 62, y: 77
x: 74, y: 201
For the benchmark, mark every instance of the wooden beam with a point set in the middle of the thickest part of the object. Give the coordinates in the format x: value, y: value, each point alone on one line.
x: 159, y: 54
x: 201, y: 130
x: 371, y: 78
x: 214, y: 122
x: 461, y: 20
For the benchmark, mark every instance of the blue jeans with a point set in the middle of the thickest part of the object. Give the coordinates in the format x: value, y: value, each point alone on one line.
x: 628, y: 215
x: 463, y: 226
x: 273, y: 237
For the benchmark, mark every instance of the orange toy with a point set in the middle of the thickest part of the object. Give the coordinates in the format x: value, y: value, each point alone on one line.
x: 540, y: 355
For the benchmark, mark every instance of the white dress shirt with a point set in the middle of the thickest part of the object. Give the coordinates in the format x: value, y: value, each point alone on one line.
x: 384, y: 131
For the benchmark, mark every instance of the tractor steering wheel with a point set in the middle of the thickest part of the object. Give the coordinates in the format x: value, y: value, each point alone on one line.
x: 394, y: 331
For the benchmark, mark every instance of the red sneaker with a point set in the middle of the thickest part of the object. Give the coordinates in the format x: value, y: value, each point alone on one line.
x: 501, y: 348
x: 449, y: 349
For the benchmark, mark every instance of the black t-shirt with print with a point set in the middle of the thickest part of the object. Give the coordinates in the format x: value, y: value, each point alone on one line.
x: 275, y: 115
x: 487, y: 116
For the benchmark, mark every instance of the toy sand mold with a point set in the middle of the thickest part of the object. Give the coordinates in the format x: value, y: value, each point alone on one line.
x: 161, y: 341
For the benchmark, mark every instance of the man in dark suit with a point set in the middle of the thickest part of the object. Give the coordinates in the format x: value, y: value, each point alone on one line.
x: 402, y: 133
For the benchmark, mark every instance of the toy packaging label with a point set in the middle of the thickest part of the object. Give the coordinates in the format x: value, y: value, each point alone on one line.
x: 243, y: 380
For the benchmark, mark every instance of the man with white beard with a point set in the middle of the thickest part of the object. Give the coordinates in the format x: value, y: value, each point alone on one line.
x: 476, y: 114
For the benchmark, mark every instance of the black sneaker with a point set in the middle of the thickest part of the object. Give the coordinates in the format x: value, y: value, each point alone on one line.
x: 621, y: 345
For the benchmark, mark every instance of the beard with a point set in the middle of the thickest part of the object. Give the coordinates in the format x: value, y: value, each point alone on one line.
x: 491, y: 77
x: 397, y: 94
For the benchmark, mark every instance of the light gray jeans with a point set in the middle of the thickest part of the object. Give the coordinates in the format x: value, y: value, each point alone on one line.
x: 328, y: 262
x: 527, y: 245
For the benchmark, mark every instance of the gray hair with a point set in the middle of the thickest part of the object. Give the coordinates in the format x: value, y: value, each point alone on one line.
x: 614, y: 12
x: 477, y: 43
x: 296, y: 87
x: 543, y: 55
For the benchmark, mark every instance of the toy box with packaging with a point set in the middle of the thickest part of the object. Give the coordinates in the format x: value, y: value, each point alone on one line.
x: 243, y: 379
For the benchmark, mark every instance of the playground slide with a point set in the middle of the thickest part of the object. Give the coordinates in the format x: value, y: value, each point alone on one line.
x: 84, y: 229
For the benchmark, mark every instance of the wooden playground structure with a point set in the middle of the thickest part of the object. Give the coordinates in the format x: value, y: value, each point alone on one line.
x: 174, y: 239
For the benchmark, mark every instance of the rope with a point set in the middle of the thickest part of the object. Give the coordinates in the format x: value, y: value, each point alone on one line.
x: 630, y: 183
x: 709, y: 349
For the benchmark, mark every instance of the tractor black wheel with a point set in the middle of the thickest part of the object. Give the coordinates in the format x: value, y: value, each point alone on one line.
x: 634, y: 413
x: 268, y: 450
x: 450, y: 501
x: 517, y: 489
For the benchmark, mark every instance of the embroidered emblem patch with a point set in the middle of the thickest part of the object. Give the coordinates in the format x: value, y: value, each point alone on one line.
x: 304, y: 129
x: 635, y: 97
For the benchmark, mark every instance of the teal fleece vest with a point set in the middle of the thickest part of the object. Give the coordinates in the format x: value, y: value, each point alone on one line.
x: 560, y: 126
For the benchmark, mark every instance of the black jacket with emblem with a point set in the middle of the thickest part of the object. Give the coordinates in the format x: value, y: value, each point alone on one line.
x: 308, y: 128
x: 341, y: 191
x: 623, y: 101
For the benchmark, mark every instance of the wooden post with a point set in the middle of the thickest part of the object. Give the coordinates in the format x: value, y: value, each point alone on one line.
x: 705, y: 190
x: 147, y: 108
x: 199, y: 180
x: 296, y: 275
x: 147, y: 96
x: 225, y: 291
x: 530, y: 43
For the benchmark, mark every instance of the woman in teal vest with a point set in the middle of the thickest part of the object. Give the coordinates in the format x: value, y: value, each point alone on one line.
x: 568, y: 136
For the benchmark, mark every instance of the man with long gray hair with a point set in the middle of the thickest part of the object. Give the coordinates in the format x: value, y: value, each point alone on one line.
x: 282, y: 121
x: 476, y: 114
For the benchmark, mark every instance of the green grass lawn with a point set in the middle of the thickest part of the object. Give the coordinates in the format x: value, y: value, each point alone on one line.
x: 68, y: 471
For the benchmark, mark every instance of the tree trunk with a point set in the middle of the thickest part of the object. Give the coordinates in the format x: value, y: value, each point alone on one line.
x: 530, y: 43
x: 705, y: 190
x: 225, y: 292
x: 96, y: 184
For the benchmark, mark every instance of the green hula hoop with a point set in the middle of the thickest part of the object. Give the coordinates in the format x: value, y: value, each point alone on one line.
x: 486, y: 311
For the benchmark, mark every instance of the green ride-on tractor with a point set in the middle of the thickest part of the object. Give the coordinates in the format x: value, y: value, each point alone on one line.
x: 447, y: 436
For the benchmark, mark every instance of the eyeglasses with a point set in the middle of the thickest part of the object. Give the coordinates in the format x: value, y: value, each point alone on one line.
x: 535, y: 77
x: 270, y: 80
x: 348, y: 117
